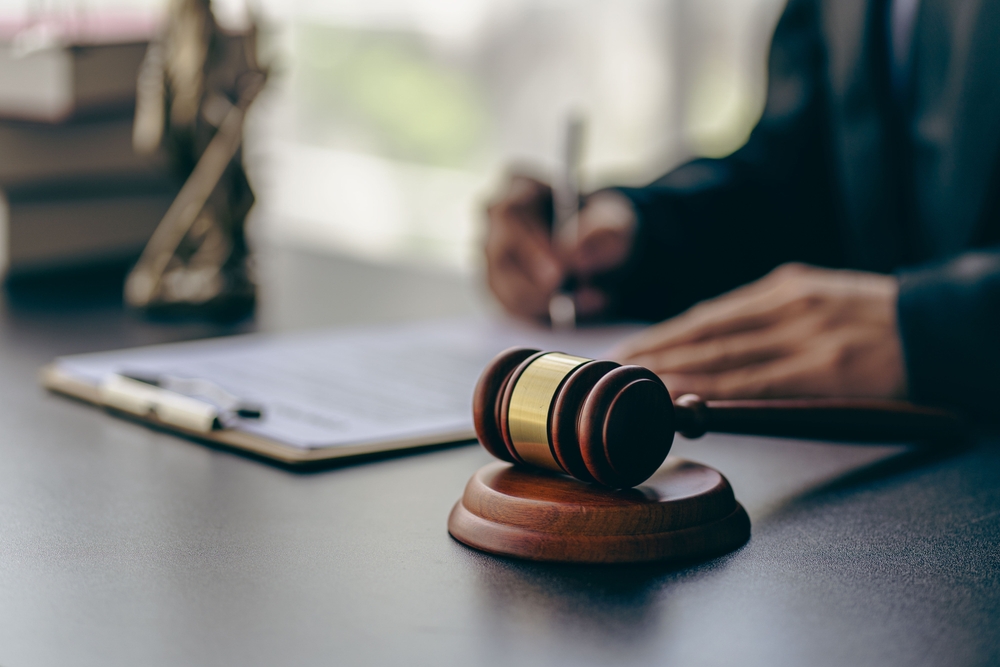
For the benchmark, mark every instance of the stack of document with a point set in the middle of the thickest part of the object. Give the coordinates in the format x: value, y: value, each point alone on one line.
x: 73, y: 193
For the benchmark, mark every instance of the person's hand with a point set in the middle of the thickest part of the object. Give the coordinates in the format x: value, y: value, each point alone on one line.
x: 522, y: 266
x: 525, y: 266
x: 600, y: 238
x: 799, y: 331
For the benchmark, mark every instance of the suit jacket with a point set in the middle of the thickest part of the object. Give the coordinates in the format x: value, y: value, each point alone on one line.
x: 840, y: 173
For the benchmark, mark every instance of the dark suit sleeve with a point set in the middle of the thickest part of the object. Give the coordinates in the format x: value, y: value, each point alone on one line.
x: 949, y: 322
x: 712, y: 225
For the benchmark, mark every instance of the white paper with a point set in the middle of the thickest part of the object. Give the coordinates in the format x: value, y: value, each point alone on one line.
x: 348, y: 386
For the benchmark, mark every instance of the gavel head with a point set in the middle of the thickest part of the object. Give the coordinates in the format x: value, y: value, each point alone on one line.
x: 595, y: 420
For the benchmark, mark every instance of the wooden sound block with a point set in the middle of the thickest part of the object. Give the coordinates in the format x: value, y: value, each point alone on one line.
x: 686, y: 511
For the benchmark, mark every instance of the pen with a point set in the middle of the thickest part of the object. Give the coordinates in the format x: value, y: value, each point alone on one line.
x: 189, y: 403
x: 566, y: 195
x: 200, y: 388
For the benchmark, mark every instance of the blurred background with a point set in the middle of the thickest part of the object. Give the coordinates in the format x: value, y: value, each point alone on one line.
x: 385, y: 124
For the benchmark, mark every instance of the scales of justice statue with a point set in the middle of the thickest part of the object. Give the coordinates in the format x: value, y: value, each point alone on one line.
x: 195, y: 86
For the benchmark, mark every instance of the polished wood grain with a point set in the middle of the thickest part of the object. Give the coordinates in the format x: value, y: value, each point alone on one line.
x: 566, y: 415
x: 596, y: 417
x: 626, y: 426
x: 486, y: 400
x: 686, y: 511
x: 843, y: 419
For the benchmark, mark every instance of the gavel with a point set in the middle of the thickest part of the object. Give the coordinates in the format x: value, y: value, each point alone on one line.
x: 613, y: 425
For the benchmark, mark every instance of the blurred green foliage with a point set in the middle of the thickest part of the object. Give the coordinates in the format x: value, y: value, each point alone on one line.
x: 388, y: 93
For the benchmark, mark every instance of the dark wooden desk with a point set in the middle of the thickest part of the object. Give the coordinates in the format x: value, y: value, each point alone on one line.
x: 123, y: 546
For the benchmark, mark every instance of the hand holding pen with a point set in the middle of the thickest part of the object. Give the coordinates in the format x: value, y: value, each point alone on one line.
x: 536, y: 266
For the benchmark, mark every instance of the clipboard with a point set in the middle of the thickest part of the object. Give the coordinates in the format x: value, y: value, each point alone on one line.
x: 58, y: 381
x: 454, y: 352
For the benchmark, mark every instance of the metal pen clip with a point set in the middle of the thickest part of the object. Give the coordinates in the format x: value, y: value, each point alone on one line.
x: 190, y: 403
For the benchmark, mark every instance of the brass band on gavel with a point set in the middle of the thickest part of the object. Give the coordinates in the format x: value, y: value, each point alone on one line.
x: 531, y: 404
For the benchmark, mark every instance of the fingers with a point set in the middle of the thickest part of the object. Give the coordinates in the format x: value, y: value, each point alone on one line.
x: 522, y: 267
x: 525, y: 267
x: 760, y: 304
x: 723, y: 353
x: 604, y: 230
x: 836, y: 337
x: 526, y: 195
x: 529, y: 252
x: 523, y: 271
x: 705, y: 321
x: 798, y: 375
x: 589, y: 301
x: 518, y: 295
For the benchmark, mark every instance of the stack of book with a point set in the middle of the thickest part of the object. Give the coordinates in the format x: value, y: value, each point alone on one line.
x: 76, y: 195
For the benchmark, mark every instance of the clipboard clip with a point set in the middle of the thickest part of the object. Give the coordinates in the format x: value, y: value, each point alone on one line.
x: 192, y: 404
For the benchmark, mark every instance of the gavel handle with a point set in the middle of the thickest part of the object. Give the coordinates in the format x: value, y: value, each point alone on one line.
x: 845, y: 419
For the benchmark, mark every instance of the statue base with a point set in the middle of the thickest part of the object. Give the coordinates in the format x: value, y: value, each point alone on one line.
x: 685, y: 512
